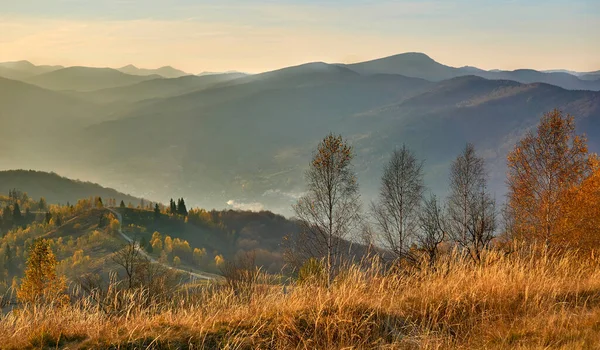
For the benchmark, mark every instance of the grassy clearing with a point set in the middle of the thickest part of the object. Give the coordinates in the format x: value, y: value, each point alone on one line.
x: 514, y: 301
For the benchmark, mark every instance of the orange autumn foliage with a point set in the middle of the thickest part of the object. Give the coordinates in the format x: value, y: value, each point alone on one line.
x: 544, y: 170
x: 581, y: 223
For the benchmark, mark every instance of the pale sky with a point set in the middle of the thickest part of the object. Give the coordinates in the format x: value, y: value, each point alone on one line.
x: 254, y: 36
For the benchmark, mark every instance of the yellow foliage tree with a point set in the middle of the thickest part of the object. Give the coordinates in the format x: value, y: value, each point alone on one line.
x: 41, y: 284
x: 181, y: 246
x: 219, y: 260
x: 541, y: 169
x: 199, y: 255
x: 168, y: 245
x: 156, y: 242
x: 581, y: 222
x: 113, y: 224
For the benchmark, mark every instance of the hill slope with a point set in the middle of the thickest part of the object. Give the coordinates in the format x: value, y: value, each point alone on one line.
x: 85, y: 79
x: 55, y: 188
x: 157, y: 88
x: 24, y: 69
x: 33, y: 120
x: 248, y: 142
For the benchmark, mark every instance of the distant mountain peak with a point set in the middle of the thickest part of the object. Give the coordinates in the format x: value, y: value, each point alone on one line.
x: 164, y: 71
x: 414, y: 55
x: 22, y: 64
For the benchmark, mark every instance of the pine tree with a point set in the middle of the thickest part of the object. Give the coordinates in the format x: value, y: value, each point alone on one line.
x: 7, y: 217
x: 41, y: 284
x: 156, y: 212
x: 17, y: 217
x: 122, y: 205
x: 181, y: 209
x: 42, y: 205
x: 172, y: 207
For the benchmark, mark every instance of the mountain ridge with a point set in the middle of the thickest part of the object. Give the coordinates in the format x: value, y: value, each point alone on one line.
x: 85, y: 78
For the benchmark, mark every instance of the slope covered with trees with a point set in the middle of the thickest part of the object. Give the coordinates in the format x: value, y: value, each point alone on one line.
x: 55, y: 188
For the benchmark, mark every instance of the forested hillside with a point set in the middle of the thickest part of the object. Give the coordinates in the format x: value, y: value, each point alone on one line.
x: 56, y: 189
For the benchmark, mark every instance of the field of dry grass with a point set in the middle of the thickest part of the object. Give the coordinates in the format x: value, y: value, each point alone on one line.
x: 509, y: 301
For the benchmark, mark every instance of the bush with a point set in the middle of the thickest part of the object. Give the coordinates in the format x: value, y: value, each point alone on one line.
x: 312, y: 272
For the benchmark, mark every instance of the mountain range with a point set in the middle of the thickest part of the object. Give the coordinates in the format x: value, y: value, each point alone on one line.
x: 243, y: 141
x: 165, y: 72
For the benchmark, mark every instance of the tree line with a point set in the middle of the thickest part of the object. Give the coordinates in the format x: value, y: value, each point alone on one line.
x: 553, y: 202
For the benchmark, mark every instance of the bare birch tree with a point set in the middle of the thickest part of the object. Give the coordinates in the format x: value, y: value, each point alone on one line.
x: 330, y: 209
x: 471, y: 210
x: 396, y: 209
x: 433, y: 228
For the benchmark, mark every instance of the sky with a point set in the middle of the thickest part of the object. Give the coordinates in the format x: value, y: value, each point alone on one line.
x: 256, y: 36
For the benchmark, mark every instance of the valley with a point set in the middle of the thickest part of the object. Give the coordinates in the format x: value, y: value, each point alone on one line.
x: 164, y: 132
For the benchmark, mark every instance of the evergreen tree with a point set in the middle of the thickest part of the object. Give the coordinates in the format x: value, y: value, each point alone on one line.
x: 17, y: 217
x: 58, y: 221
x: 172, y: 207
x: 7, y: 217
x: 156, y: 212
x: 48, y: 217
x: 122, y: 205
x: 181, y: 209
x: 42, y: 205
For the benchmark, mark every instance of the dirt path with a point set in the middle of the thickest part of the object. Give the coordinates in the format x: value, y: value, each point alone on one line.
x: 146, y: 255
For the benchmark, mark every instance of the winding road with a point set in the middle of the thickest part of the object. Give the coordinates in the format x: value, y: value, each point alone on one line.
x: 147, y: 256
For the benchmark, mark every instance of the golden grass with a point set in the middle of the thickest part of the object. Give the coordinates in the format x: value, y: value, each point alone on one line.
x: 508, y: 302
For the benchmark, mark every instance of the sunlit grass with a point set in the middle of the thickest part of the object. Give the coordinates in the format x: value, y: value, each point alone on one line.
x: 509, y: 301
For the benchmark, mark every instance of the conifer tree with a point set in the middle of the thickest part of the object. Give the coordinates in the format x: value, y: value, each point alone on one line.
x: 17, y: 217
x: 172, y: 207
x: 41, y: 283
x: 181, y: 209
x: 156, y: 212
x: 42, y: 205
x: 122, y: 205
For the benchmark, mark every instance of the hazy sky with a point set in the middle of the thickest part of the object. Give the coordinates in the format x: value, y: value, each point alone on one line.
x: 255, y: 36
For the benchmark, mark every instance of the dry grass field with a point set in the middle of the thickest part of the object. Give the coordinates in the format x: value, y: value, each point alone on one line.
x: 510, y: 301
